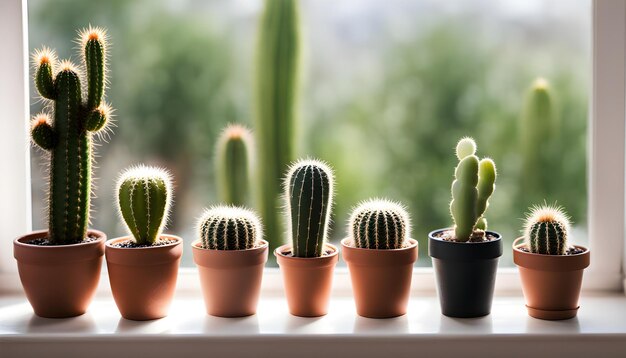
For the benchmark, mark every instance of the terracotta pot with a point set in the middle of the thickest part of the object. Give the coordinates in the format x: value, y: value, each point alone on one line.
x: 381, y: 279
x: 230, y: 279
x: 466, y: 274
x: 143, y: 279
x: 551, y: 283
x: 59, y: 281
x: 308, y: 281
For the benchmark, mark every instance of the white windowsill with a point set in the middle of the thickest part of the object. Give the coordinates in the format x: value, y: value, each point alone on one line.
x: 599, y: 329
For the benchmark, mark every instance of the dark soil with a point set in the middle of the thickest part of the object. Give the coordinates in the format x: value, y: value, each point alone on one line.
x: 570, y: 251
x: 477, y: 236
x: 288, y: 253
x: 44, y: 241
x: 130, y: 244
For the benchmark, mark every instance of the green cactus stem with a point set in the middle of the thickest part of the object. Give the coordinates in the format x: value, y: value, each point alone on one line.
x: 229, y: 228
x: 309, y: 196
x: 68, y: 138
x: 144, y: 199
x: 234, y: 149
x: 379, y: 224
x: 473, y: 185
x: 276, y: 92
x: 546, y: 230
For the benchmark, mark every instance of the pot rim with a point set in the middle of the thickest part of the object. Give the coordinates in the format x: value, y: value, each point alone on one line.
x: 431, y: 236
x: 263, y: 245
x: 516, y: 247
x: 344, y: 244
x: 464, y: 251
x: 110, y: 242
x: 553, y: 263
x: 101, y: 236
x: 278, y: 252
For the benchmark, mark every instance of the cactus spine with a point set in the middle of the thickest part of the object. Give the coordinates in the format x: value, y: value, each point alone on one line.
x: 229, y: 228
x: 379, y: 224
x: 276, y: 82
x: 144, y: 199
x: 68, y: 138
x: 539, y: 131
x: 309, y: 196
x: 546, y: 230
x: 473, y: 185
x: 233, y: 157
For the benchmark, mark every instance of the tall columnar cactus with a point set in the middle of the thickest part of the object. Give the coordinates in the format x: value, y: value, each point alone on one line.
x: 68, y: 137
x: 229, y: 228
x: 539, y: 133
x: 546, y: 230
x: 144, y: 199
x: 379, y: 224
x: 276, y: 92
x: 473, y: 185
x: 309, y: 196
x: 234, y: 150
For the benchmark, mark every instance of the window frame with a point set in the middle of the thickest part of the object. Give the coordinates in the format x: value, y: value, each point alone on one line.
x: 606, y: 131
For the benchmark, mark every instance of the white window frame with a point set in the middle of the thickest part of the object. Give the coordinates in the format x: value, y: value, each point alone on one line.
x: 606, y: 159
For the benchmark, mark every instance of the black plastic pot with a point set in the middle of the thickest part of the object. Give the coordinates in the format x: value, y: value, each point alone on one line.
x: 466, y: 274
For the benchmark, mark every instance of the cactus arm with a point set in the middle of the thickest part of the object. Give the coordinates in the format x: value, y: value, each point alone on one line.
x: 276, y: 92
x: 486, y: 185
x: 481, y: 224
x: 464, y: 196
x: 94, y: 57
x: 97, y: 118
x: 44, y: 80
x: 42, y: 132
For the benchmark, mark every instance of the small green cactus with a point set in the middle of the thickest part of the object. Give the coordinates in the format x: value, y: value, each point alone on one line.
x: 144, y: 199
x: 68, y: 138
x: 309, y: 197
x: 546, y: 230
x: 229, y: 228
x: 379, y: 224
x: 473, y: 185
x: 277, y: 68
x: 234, y: 149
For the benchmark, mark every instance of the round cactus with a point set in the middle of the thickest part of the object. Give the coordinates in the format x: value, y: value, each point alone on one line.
x: 379, y: 224
x: 229, y: 228
x: 546, y: 230
x: 309, y: 195
x: 144, y: 199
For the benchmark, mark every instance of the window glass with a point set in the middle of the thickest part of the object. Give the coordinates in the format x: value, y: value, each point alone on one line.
x: 388, y: 87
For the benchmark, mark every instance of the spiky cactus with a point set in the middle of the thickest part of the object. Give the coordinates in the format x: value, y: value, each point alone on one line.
x: 473, y: 185
x: 144, y: 199
x: 68, y: 138
x: 379, y: 224
x: 234, y: 150
x: 546, y: 230
x: 229, y: 228
x: 309, y: 196
x: 276, y: 92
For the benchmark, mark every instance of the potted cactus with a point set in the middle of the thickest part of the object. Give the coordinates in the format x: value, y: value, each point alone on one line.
x: 230, y: 255
x: 465, y: 257
x: 307, y: 264
x: 380, y: 254
x: 143, y: 268
x: 550, y: 268
x: 60, y: 267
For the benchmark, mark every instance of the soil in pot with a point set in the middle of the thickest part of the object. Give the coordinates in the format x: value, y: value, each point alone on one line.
x: 307, y: 281
x: 381, y: 279
x: 143, y: 279
x: 551, y: 283
x: 231, y: 279
x: 465, y: 273
x: 59, y: 280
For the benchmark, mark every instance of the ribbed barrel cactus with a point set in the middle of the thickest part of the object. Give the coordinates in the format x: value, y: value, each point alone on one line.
x: 144, y: 199
x: 546, y: 230
x: 234, y: 151
x: 309, y: 196
x: 473, y: 185
x: 379, y: 224
x: 229, y: 228
x: 68, y: 137
x: 276, y: 93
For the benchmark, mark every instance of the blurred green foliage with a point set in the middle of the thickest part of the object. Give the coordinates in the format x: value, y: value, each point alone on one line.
x: 180, y: 71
